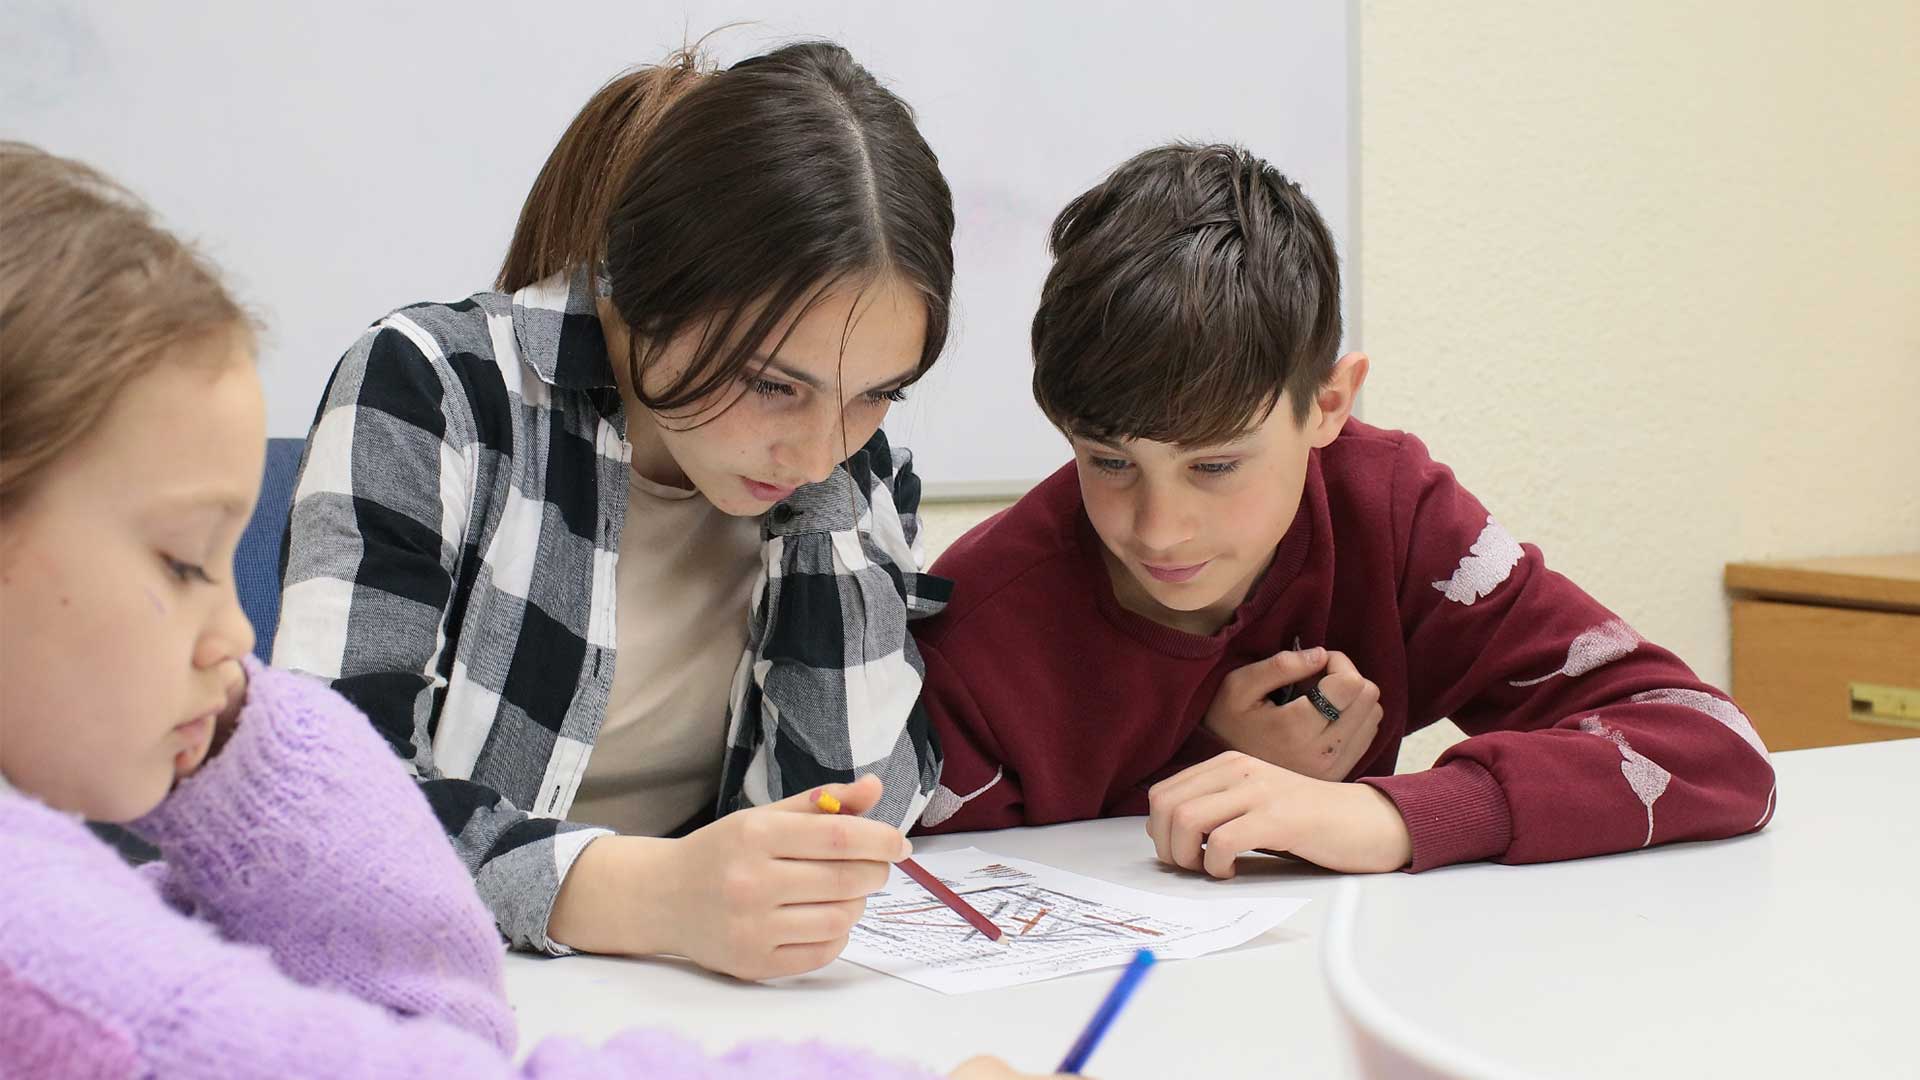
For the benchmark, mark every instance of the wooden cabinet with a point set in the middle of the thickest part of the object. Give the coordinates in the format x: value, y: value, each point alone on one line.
x: 1827, y: 651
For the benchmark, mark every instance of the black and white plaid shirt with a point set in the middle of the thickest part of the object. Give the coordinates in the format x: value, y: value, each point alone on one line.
x: 450, y: 570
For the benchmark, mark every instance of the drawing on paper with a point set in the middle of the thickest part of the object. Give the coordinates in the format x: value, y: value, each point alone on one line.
x: 1021, y: 907
x: 1056, y: 923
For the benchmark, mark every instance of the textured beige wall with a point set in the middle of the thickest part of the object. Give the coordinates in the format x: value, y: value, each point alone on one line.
x: 941, y: 523
x: 1647, y: 275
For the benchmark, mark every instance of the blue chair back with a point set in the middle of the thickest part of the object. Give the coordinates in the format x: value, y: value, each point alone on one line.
x: 256, y: 565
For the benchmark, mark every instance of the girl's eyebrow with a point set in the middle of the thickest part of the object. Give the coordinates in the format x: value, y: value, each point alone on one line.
x: 774, y: 364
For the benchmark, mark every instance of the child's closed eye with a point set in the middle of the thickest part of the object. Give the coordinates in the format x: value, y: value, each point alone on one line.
x: 1110, y: 465
x: 186, y: 573
x: 1215, y: 468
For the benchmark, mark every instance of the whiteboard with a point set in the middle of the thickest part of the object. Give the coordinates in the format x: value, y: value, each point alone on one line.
x: 340, y: 160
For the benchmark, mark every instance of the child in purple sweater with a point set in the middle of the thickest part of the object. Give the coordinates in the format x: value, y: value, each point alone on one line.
x: 309, y: 917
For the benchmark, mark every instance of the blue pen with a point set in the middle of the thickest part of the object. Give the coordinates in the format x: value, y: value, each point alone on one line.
x: 1103, y: 1016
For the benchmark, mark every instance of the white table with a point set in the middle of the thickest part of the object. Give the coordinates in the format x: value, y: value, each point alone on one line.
x: 1794, y: 952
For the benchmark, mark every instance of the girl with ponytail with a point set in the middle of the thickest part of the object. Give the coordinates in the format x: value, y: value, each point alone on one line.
x: 615, y: 555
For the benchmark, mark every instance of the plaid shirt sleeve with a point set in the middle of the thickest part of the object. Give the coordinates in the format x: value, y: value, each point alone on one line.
x: 376, y: 556
x: 828, y: 688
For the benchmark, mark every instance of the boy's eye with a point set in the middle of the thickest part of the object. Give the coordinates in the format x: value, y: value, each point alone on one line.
x: 186, y: 573
x: 1215, y: 468
x: 1110, y: 465
x: 887, y: 397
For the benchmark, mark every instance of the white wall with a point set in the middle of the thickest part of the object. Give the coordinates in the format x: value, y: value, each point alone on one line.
x: 342, y: 159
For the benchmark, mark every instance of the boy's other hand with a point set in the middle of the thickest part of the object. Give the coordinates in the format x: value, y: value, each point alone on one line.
x: 1204, y: 817
x: 1296, y: 736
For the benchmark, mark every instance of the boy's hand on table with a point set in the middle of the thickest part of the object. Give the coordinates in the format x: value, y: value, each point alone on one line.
x: 1297, y: 736
x: 1205, y: 817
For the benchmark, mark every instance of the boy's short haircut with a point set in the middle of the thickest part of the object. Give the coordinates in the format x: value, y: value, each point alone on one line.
x: 1189, y: 289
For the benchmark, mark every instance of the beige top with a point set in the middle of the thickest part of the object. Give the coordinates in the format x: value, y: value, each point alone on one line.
x: 685, y: 577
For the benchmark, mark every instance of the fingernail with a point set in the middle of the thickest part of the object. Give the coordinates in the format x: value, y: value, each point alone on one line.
x: 1316, y: 654
x: 906, y: 848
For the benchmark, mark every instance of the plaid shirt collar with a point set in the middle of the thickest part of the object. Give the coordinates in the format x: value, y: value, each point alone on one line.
x: 557, y: 328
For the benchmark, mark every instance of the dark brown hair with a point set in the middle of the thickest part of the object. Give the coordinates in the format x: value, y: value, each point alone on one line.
x: 732, y: 200
x: 1190, y: 289
x: 93, y: 293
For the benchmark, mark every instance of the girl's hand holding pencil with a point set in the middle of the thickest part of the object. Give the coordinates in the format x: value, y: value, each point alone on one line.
x: 758, y: 894
x: 827, y: 803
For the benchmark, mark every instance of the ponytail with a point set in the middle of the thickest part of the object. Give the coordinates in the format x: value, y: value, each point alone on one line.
x: 563, y: 224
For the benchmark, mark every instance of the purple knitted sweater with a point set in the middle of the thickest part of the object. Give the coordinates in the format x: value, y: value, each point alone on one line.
x: 309, y: 919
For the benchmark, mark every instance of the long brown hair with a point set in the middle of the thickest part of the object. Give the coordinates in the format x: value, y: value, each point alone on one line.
x: 93, y: 293
x: 732, y: 200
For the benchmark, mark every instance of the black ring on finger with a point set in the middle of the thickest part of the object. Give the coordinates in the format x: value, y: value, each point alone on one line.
x: 1327, y: 708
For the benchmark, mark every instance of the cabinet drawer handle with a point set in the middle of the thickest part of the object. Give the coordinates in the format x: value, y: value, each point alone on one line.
x: 1889, y: 706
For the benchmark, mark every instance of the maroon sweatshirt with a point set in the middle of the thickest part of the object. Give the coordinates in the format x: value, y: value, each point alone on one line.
x: 1054, y: 703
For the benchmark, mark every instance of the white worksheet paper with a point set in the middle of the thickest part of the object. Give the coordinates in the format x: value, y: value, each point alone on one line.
x: 1055, y: 922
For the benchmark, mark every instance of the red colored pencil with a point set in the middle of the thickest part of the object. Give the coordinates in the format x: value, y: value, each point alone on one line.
x: 930, y: 883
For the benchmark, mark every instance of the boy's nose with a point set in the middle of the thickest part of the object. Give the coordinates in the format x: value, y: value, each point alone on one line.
x: 1161, y: 525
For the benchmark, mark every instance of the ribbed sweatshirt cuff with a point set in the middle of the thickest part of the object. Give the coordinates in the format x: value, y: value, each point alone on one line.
x: 1455, y: 813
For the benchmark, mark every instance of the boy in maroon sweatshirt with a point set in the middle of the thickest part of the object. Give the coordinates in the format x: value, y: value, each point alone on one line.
x: 1237, y: 598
